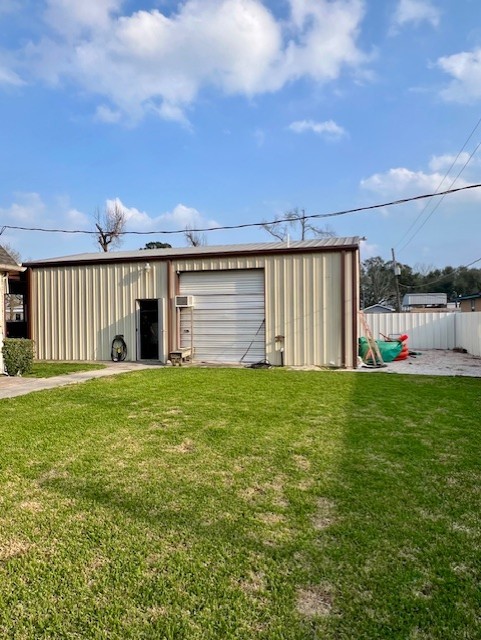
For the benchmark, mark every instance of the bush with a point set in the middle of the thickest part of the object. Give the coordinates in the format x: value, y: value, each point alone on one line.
x: 17, y: 356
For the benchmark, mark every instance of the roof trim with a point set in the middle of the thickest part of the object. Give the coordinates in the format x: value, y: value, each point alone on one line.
x: 12, y: 268
x: 473, y: 296
x: 378, y: 304
x: 160, y: 255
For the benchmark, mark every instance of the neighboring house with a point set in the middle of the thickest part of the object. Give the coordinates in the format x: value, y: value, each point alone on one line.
x: 470, y: 303
x: 8, y: 269
x: 293, y: 304
x: 378, y: 308
x: 424, y: 301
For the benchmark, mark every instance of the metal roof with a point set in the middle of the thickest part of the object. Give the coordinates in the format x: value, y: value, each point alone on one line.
x: 411, y: 299
x: 144, y: 255
x: 378, y: 305
x: 472, y: 296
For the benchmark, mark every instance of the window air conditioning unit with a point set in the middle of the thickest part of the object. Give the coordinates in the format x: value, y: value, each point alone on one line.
x: 184, y: 301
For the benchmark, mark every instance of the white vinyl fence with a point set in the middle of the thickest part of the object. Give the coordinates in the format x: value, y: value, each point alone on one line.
x: 430, y: 330
x: 468, y: 332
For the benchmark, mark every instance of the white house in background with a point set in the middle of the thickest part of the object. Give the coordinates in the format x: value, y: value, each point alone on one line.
x: 292, y: 304
x: 8, y: 267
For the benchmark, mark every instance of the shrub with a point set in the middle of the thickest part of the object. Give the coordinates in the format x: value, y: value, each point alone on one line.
x: 17, y: 356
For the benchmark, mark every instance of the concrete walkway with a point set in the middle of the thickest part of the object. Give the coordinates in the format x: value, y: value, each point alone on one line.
x: 16, y: 386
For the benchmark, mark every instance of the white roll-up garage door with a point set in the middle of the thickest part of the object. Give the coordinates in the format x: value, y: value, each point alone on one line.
x: 226, y: 323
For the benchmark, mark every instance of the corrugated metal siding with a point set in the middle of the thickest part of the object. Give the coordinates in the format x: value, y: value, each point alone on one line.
x: 227, y: 321
x: 78, y: 310
x: 303, y: 304
x: 305, y: 300
x: 2, y: 318
x: 410, y: 299
x: 309, y: 299
x: 219, y: 264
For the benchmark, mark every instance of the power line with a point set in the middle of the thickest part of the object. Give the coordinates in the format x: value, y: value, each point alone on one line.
x: 256, y: 224
x: 437, y: 189
x: 442, y: 198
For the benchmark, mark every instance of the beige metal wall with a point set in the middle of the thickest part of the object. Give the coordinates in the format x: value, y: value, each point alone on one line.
x: 77, y: 310
x: 2, y: 317
x: 311, y: 300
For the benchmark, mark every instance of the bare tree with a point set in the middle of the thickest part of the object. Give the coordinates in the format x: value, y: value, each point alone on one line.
x: 194, y: 238
x: 110, y: 226
x: 296, y: 222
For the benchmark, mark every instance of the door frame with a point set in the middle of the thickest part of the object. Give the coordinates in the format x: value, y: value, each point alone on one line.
x: 161, y: 322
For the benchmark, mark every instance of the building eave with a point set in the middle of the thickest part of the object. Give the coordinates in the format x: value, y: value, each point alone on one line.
x: 182, y: 253
x: 12, y: 268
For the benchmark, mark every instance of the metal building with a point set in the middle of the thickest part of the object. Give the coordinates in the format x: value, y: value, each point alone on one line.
x: 292, y: 304
x: 412, y: 301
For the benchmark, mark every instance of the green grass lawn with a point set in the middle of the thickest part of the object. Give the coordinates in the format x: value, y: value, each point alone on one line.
x: 198, y: 504
x: 42, y: 369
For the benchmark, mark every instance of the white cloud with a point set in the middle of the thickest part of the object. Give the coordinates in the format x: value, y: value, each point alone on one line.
x: 447, y: 161
x: 28, y: 208
x: 415, y: 12
x: 7, y: 76
x: 403, y: 183
x: 328, y: 129
x: 71, y: 17
x: 76, y: 219
x: 108, y: 115
x: 150, y: 61
x: 177, y: 219
x: 182, y: 216
x: 369, y: 250
x: 465, y: 70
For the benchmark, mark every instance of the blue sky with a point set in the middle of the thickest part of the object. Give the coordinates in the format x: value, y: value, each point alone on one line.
x: 219, y: 112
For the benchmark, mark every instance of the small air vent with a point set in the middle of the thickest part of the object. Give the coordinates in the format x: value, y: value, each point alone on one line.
x: 184, y: 301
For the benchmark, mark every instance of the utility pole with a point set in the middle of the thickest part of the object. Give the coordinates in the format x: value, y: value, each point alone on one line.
x: 397, y: 273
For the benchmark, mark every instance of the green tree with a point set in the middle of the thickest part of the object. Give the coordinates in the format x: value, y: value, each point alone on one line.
x: 157, y: 245
x: 377, y: 282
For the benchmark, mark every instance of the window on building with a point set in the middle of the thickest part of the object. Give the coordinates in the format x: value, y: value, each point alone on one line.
x: 14, y: 307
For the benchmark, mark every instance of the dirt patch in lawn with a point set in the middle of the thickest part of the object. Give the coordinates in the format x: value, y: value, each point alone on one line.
x: 13, y: 548
x: 314, y: 602
x: 324, y: 516
x: 434, y: 362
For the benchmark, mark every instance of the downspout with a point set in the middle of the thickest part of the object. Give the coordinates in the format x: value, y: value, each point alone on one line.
x: 343, y: 309
x: 356, y: 258
x: 29, y: 304
x: 170, y: 297
x: 3, y: 322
